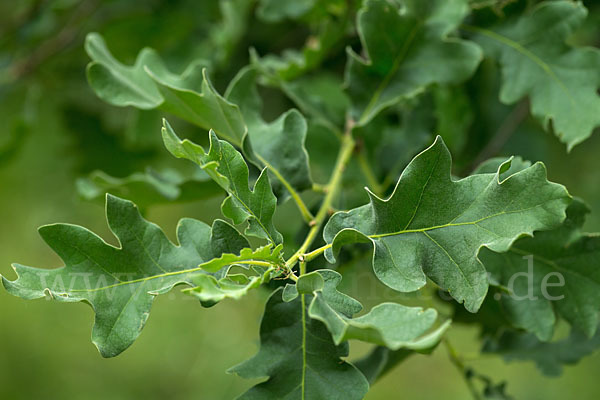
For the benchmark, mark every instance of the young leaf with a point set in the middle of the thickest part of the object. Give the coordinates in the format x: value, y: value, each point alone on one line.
x: 413, y: 51
x: 299, y: 357
x: 553, y: 272
x: 560, y: 80
x: 435, y: 226
x: 211, y: 290
x: 121, y: 283
x: 388, y: 324
x: 548, y: 357
x: 227, y: 167
x: 278, y: 145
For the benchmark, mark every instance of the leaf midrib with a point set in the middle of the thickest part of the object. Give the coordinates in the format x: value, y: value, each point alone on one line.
x: 525, y: 52
x: 397, y: 62
x: 468, y: 223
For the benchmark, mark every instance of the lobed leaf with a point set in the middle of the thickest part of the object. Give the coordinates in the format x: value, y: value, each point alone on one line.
x: 548, y: 357
x: 560, y: 80
x: 414, y: 51
x: 278, y: 145
x: 150, y: 187
x: 553, y: 273
x: 299, y: 358
x: 120, y: 283
x: 435, y: 226
x: 388, y: 324
x: 226, y: 166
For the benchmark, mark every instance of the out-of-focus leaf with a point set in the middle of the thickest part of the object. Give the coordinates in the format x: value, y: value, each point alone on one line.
x: 560, y: 80
x: 151, y: 187
x: 435, y: 226
x: 226, y: 166
x: 148, y: 84
x: 278, y: 145
x: 299, y: 358
x: 277, y: 10
x: 413, y: 51
x: 555, y: 272
x: 548, y: 357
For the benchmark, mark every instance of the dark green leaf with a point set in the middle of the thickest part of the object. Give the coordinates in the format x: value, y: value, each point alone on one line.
x: 299, y: 357
x: 413, y: 51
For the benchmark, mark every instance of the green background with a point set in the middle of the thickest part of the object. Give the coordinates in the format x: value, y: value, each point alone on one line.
x: 55, y: 130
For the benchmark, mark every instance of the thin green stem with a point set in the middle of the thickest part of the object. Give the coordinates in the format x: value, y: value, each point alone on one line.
x: 458, y: 363
x: 367, y: 171
x: 334, y: 184
x: 316, y: 253
x: 306, y: 214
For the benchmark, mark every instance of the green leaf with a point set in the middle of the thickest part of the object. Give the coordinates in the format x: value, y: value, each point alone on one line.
x: 560, y: 80
x: 267, y: 254
x: 123, y: 85
x: 554, y: 272
x: 277, y: 10
x: 278, y: 145
x: 380, y: 361
x: 150, y: 187
x: 435, y: 226
x: 412, y: 52
x: 388, y: 324
x: 206, y: 109
x: 120, y: 283
x: 226, y: 166
x: 299, y: 358
x: 548, y: 357
x: 294, y: 63
x: 148, y: 84
x: 210, y: 290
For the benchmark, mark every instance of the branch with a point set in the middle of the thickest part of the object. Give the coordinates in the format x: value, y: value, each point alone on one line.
x: 333, y: 186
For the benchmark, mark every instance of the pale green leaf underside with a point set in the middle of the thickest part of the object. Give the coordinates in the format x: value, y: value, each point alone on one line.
x: 560, y: 80
x: 121, y: 283
x: 411, y: 53
x: 388, y: 324
x: 434, y: 226
x: 299, y: 358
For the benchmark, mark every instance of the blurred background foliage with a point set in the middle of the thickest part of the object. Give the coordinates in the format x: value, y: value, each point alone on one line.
x: 56, y: 132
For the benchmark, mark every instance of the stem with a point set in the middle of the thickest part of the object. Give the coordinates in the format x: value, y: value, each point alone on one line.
x: 334, y: 185
x: 306, y: 214
x: 315, y: 253
x: 367, y: 171
x: 458, y: 363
